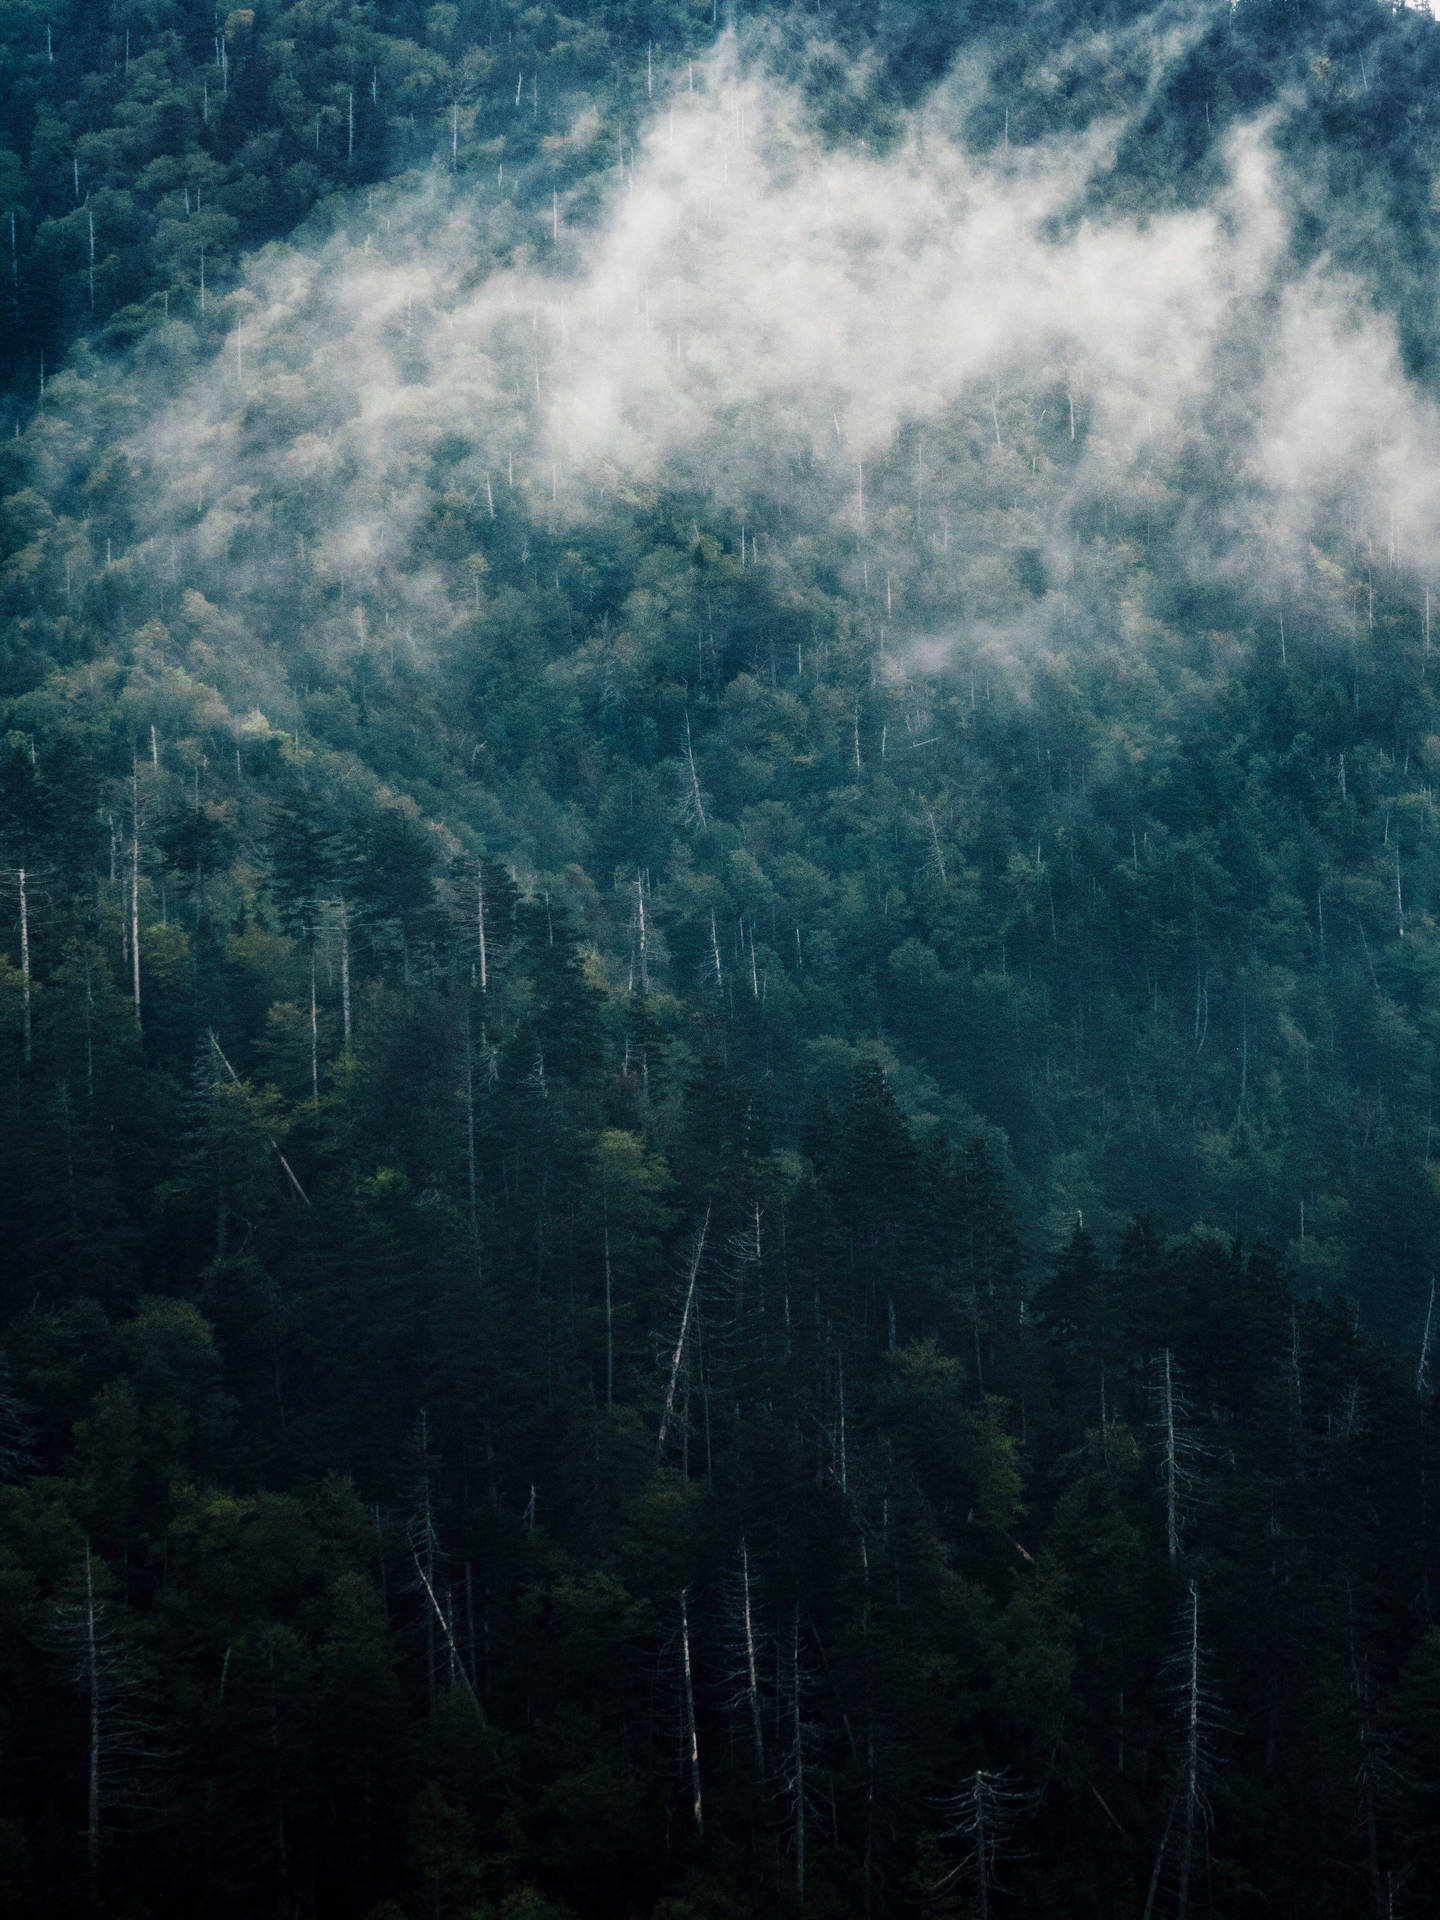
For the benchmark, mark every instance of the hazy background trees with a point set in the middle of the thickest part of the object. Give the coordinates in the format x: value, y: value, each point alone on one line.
x: 824, y: 1190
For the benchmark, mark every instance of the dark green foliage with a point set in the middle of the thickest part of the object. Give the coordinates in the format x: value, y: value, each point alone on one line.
x: 665, y: 1149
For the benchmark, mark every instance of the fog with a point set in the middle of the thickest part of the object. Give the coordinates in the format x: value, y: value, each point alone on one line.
x: 801, y: 329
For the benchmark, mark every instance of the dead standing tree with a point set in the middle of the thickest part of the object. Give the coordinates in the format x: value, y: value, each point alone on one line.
x: 422, y: 1542
x: 1196, y: 1719
x: 980, y: 1817
x: 673, y: 1704
x: 1181, y: 1449
x: 745, y: 1643
x: 1371, y: 1744
x: 687, y: 1695
x: 24, y: 879
x: 795, y: 1741
x: 124, y: 1755
x: 695, y: 799
x: 689, y: 1317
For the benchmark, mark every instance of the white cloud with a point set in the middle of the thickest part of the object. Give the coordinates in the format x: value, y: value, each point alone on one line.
x: 753, y: 295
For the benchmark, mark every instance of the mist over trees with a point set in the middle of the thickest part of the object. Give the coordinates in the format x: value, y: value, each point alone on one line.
x: 718, y: 963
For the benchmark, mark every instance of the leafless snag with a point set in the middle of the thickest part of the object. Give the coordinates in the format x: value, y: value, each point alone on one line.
x: 796, y: 1777
x: 692, y: 1738
x: 740, y: 1302
x: 1371, y: 1743
x: 275, y: 1145
x: 745, y: 1643
x: 25, y: 963
x: 1181, y: 1449
x: 1196, y: 1719
x: 937, y: 856
x: 687, y: 1320
x: 422, y: 1543
x: 125, y: 1759
x: 135, y: 882
x: 697, y: 801
x: 1422, y: 1368
x: 980, y: 1816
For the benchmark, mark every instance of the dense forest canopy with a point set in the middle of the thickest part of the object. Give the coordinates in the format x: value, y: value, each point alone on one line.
x: 718, y: 1010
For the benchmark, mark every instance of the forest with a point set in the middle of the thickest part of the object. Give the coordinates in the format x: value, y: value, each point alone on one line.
x: 719, y: 959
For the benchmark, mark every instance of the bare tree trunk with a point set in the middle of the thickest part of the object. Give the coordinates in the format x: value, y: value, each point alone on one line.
x: 982, y: 1862
x: 274, y: 1143
x: 685, y: 1318
x: 694, y: 776
x: 480, y: 889
x: 752, y: 1678
x: 470, y: 1127
x: 135, y: 884
x: 314, y: 1037
x: 345, y: 974
x: 1360, y: 1680
x: 25, y: 967
x: 1422, y: 1370
x: 1192, y: 1755
x: 437, y: 1613
x: 935, y: 843
x: 692, y: 1738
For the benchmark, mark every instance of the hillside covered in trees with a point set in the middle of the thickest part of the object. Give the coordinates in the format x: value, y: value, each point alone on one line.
x: 720, y: 960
